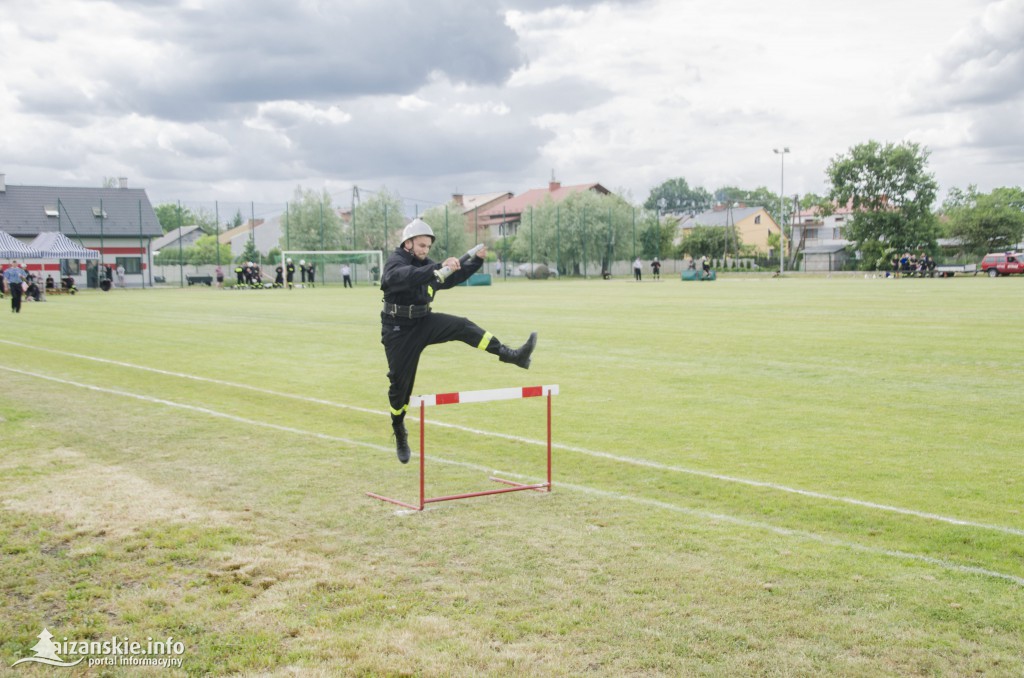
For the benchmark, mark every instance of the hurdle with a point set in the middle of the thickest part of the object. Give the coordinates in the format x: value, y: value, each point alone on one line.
x: 438, y: 399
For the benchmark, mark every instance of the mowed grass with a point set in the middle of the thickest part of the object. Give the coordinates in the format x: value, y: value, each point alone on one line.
x: 753, y: 476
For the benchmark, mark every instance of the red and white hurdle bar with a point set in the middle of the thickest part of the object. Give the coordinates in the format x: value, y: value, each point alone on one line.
x: 460, y: 397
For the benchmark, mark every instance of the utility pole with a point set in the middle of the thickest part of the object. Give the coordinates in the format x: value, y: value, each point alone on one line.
x: 782, y: 207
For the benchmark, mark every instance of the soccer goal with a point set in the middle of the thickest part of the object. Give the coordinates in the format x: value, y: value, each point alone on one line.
x: 366, y: 265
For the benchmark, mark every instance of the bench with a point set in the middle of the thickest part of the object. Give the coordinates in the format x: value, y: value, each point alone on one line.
x: 199, y: 279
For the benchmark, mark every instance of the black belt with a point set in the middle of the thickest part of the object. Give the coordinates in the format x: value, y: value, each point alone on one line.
x: 398, y: 311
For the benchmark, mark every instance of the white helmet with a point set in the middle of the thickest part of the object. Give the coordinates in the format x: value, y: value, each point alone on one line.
x: 417, y: 227
x: 302, y: 262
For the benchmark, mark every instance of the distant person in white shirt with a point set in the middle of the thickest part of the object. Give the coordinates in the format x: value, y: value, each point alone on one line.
x: 346, y: 275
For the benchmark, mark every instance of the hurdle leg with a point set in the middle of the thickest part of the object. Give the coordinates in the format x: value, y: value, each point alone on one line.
x: 423, y: 472
x: 546, y: 487
x: 477, y: 396
x: 423, y: 455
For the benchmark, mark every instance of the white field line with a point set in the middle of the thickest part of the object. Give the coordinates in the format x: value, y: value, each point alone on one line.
x: 633, y: 461
x: 706, y: 515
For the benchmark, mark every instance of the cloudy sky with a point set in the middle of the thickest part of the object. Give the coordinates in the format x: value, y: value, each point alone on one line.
x: 243, y: 100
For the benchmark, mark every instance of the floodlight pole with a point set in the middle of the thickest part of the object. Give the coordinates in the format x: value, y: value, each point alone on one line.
x: 782, y: 207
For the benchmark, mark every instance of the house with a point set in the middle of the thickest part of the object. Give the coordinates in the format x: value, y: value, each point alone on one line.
x: 119, y: 223
x: 821, y: 238
x: 753, y: 224
x: 473, y: 206
x: 266, y: 234
x: 182, y: 238
x: 505, y: 217
x: 814, y: 229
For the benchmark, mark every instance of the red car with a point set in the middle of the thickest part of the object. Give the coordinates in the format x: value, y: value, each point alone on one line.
x: 1005, y: 263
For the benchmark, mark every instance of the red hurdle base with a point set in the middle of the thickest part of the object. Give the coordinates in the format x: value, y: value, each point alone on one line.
x: 475, y: 396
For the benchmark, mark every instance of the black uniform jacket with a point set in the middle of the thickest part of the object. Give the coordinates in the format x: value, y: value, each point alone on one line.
x: 407, y: 281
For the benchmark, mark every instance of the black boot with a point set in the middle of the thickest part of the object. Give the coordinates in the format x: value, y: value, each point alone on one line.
x: 519, y: 356
x: 401, y: 440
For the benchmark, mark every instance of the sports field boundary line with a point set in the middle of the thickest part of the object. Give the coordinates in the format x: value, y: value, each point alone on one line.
x: 763, y: 484
x: 654, y: 503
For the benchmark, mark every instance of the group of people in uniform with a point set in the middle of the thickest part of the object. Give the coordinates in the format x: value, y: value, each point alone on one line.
x: 249, y: 275
x: 910, y: 264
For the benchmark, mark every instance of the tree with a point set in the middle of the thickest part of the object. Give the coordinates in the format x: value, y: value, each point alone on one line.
x: 377, y: 222
x: 891, y: 193
x: 986, y: 222
x: 310, y: 223
x: 656, y: 237
x: 249, y: 252
x: 709, y: 241
x: 171, y: 216
x: 205, y: 251
x: 675, y: 195
x: 580, y: 234
x: 759, y: 197
x: 449, y: 229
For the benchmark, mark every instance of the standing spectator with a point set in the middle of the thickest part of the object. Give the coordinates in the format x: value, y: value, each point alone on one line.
x: 705, y: 266
x: 311, y: 269
x: 289, y: 270
x: 120, y: 276
x: 656, y: 269
x: 346, y: 275
x: 220, y: 276
x: 638, y: 268
x: 14, y: 278
x: 279, y: 276
x: 302, y: 269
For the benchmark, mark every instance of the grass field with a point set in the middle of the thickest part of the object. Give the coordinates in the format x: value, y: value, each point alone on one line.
x: 753, y: 476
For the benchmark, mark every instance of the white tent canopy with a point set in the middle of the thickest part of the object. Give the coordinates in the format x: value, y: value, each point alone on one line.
x: 12, y: 248
x: 56, y: 245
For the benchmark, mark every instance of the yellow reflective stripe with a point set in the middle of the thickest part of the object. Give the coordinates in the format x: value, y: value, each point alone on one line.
x: 430, y: 291
x: 400, y: 412
x: 486, y: 340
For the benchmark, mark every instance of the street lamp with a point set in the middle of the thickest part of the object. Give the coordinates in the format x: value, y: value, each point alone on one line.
x: 782, y: 208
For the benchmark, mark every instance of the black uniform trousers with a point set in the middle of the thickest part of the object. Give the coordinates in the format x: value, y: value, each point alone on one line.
x: 403, y: 345
x: 15, y: 290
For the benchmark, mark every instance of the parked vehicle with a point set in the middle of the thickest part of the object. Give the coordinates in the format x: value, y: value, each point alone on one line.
x: 1003, y: 263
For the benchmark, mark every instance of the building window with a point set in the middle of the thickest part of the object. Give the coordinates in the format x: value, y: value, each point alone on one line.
x: 757, y: 219
x: 97, y: 212
x: 50, y: 210
x: 70, y: 267
x: 132, y: 265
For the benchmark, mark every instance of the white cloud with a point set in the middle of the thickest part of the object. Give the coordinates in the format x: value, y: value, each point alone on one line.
x: 257, y: 96
x: 412, y: 102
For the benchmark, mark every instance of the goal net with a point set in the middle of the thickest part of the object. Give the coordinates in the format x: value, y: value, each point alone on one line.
x: 365, y: 265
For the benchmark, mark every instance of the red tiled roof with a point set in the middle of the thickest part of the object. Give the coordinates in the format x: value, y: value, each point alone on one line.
x: 535, y: 196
